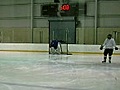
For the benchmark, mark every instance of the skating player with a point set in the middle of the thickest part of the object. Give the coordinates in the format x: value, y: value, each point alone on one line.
x: 109, y: 44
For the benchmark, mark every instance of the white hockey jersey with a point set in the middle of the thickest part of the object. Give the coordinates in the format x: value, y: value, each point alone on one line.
x: 109, y: 43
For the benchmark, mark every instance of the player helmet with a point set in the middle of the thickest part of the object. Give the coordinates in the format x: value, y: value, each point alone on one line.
x: 109, y: 36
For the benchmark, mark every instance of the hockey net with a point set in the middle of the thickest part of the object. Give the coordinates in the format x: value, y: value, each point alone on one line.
x: 60, y: 35
x: 63, y: 48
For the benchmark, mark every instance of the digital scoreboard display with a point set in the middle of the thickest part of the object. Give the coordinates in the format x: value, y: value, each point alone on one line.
x: 51, y: 10
x: 65, y: 7
x: 71, y: 9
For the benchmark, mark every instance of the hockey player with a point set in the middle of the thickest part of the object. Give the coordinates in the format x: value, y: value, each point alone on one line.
x: 55, y: 47
x: 109, y: 45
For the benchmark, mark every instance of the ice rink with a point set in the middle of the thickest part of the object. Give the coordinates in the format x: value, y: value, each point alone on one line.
x: 41, y: 71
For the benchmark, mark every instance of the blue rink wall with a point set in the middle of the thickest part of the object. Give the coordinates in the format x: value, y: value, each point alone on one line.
x: 72, y: 48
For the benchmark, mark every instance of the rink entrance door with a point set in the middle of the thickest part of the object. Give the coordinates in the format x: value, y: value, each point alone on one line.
x: 62, y: 29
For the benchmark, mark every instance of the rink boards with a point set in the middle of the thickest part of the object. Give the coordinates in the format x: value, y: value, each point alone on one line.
x: 72, y: 48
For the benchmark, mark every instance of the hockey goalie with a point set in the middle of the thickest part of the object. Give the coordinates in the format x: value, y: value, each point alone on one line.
x: 55, y: 47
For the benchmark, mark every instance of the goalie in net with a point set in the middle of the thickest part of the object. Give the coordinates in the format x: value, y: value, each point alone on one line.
x: 57, y: 47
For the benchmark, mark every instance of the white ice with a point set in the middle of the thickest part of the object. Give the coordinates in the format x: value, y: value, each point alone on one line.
x: 38, y: 71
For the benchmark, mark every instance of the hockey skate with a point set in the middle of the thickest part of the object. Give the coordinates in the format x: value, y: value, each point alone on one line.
x: 109, y: 61
x: 104, y: 61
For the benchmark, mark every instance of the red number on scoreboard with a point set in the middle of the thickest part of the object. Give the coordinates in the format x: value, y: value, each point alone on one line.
x: 65, y: 7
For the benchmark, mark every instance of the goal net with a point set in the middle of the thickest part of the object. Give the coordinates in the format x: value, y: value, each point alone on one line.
x: 63, y: 47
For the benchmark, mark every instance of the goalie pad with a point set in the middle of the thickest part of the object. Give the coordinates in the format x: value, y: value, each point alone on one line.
x: 55, y: 47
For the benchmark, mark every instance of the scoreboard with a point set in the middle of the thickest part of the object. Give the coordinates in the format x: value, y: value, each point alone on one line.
x: 51, y: 10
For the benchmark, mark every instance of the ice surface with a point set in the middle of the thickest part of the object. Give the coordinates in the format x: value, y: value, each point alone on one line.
x: 37, y: 71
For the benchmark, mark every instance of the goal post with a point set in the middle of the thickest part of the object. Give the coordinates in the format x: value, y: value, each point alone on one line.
x: 65, y: 46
